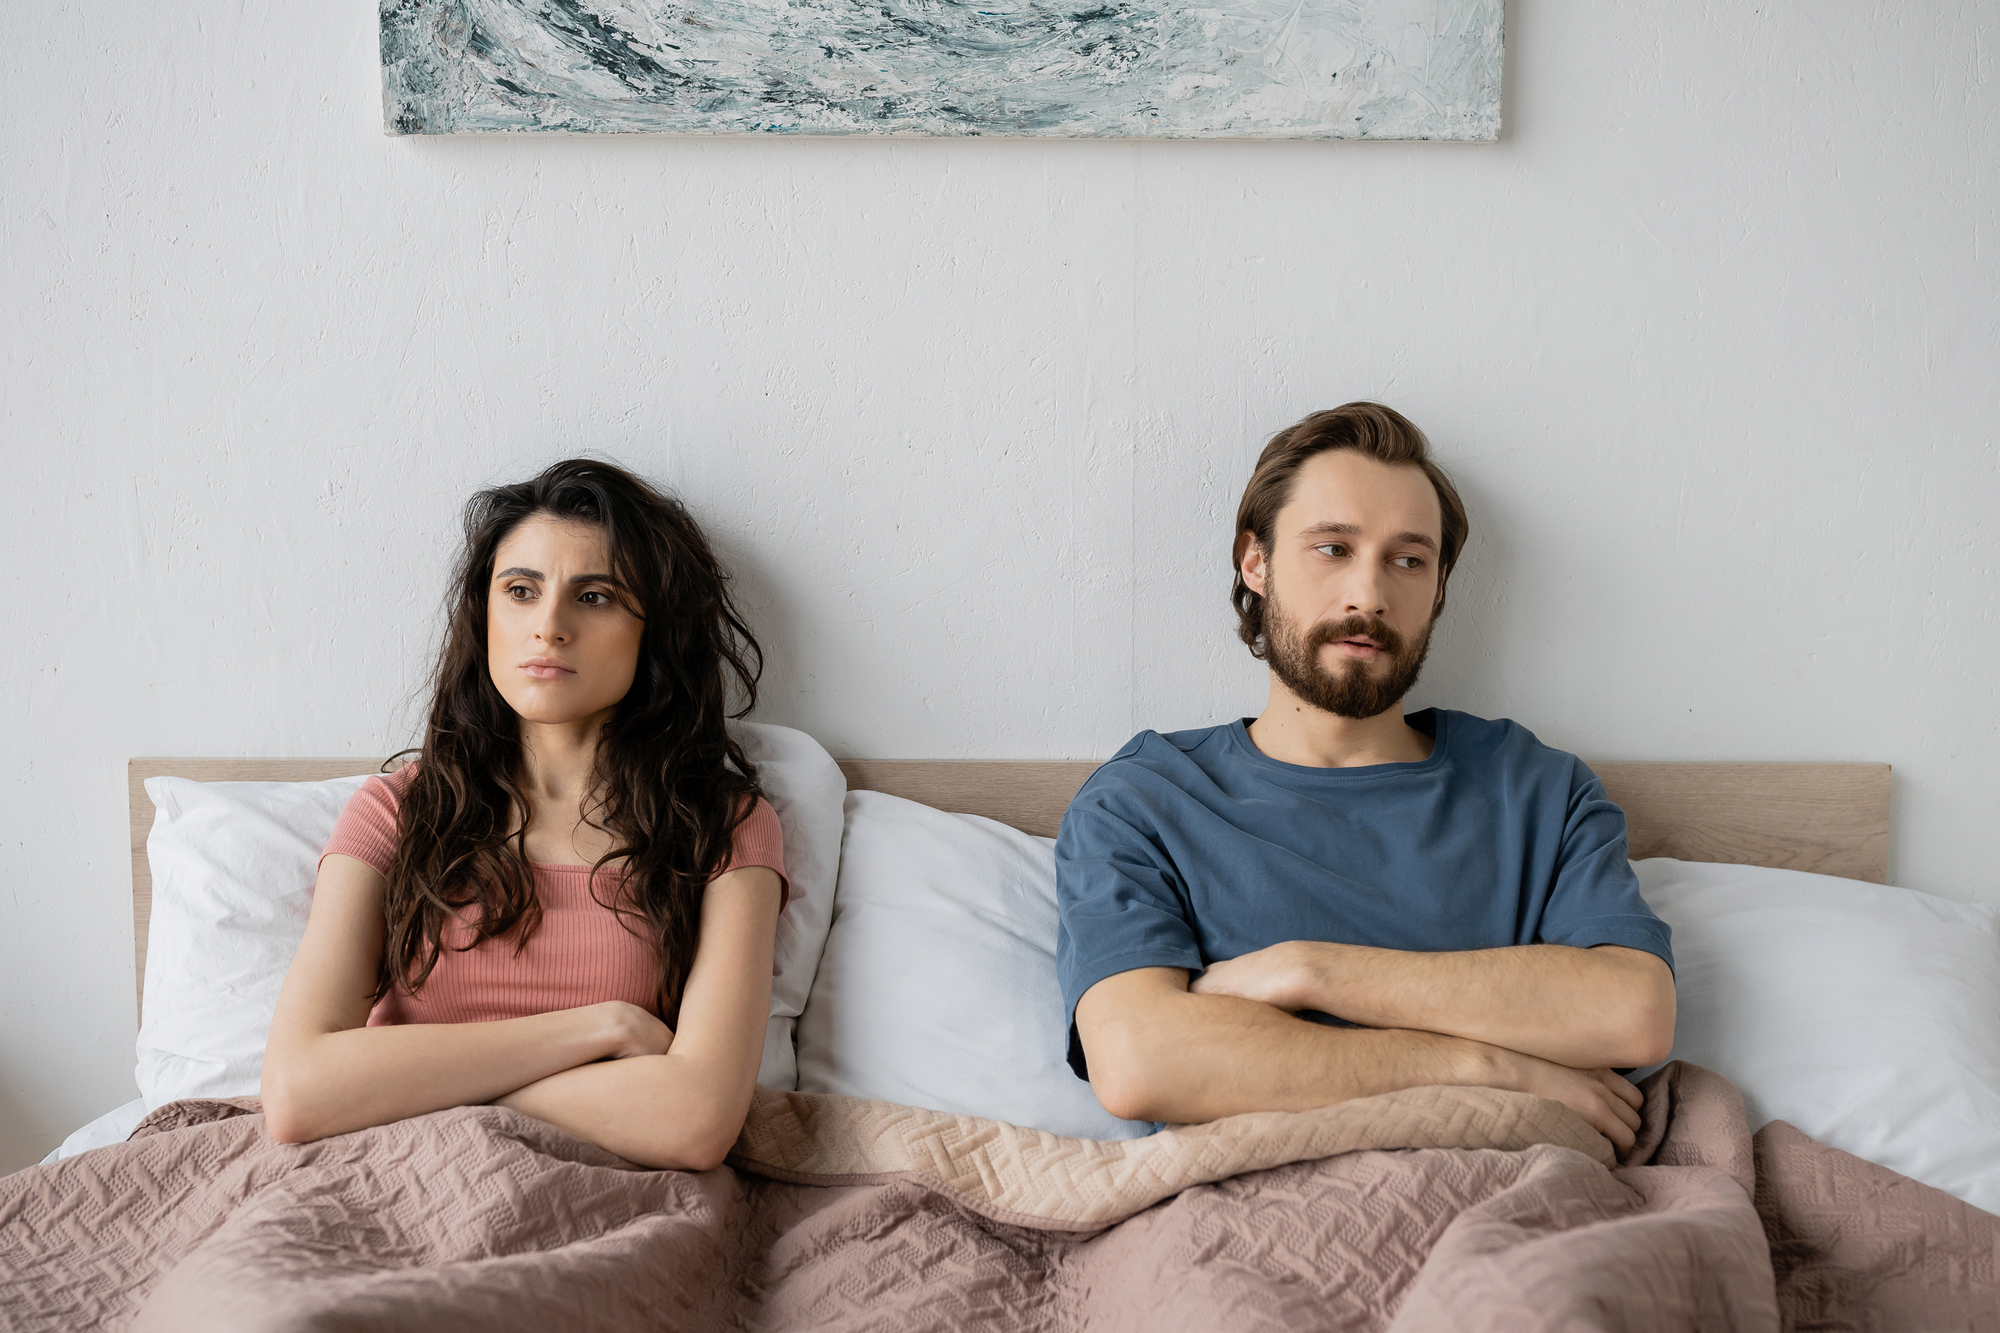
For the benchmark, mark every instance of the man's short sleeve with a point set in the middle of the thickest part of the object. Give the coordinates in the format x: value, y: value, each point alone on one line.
x: 1120, y: 904
x: 1596, y: 899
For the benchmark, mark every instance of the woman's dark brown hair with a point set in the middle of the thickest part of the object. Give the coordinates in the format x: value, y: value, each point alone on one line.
x: 1380, y: 432
x: 670, y: 784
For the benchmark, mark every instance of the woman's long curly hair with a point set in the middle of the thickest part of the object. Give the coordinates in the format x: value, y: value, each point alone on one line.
x: 670, y: 784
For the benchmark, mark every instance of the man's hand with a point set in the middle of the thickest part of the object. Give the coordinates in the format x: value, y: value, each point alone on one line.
x: 1295, y: 975
x: 1160, y: 1051
x: 1607, y: 1100
x: 1281, y: 976
x: 1586, y: 1008
x: 1286, y: 976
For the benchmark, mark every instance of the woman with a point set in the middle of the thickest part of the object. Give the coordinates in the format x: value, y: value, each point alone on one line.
x: 567, y: 903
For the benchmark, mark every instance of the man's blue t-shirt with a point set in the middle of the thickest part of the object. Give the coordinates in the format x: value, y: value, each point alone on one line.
x: 1196, y: 847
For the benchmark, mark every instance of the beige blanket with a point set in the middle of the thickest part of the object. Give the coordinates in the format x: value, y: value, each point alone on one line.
x: 1026, y: 1177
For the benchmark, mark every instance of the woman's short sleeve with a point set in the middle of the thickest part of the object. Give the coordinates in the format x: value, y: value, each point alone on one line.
x: 760, y: 841
x: 366, y: 829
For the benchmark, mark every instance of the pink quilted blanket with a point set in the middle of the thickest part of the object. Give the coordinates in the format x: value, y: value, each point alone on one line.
x: 1437, y: 1208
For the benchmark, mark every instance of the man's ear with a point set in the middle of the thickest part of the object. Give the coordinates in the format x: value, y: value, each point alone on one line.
x: 1250, y: 562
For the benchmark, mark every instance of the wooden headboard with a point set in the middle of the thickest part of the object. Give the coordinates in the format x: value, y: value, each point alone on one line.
x: 1832, y: 819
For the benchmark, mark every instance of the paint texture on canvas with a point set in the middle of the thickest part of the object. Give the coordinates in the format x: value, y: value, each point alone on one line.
x: 1256, y: 69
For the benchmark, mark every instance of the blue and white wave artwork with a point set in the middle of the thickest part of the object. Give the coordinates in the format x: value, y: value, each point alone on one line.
x: 1248, y: 69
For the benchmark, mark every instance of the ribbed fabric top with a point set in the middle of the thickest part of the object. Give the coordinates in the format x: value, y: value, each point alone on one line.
x: 582, y: 953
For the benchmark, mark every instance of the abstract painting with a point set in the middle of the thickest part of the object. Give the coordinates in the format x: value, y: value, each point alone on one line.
x: 1167, y: 69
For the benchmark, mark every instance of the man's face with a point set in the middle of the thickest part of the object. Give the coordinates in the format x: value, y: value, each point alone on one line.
x: 1351, y: 582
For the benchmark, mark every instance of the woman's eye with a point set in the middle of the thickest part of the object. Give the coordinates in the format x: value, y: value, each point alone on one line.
x: 519, y: 592
x: 593, y: 599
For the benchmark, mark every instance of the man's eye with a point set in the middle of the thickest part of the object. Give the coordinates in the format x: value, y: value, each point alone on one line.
x: 1410, y: 561
x: 1333, y: 549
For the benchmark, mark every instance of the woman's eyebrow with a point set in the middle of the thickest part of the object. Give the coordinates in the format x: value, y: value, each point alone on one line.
x: 524, y: 572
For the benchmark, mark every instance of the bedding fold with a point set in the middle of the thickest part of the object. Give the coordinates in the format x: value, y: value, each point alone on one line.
x: 1027, y: 1177
x: 1432, y: 1208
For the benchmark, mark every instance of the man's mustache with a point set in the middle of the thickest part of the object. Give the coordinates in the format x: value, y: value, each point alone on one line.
x: 1373, y: 628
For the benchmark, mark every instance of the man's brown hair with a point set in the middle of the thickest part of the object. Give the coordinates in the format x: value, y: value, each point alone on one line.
x: 1382, y: 433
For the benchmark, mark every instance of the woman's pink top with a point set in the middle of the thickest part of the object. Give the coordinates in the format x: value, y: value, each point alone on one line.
x: 583, y: 952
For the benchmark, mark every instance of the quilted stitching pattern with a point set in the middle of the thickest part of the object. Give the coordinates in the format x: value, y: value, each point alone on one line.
x: 480, y: 1218
x: 1030, y: 1177
x: 1856, y: 1246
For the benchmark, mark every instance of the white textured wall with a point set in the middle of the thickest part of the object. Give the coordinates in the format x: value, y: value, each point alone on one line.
x: 1709, y: 339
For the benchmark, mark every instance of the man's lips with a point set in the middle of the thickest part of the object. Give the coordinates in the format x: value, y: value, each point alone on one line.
x: 547, y: 668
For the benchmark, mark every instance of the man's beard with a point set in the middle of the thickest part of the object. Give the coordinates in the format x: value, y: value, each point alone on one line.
x: 1351, y: 689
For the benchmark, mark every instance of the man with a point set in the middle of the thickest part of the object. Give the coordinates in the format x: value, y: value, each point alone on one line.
x: 1444, y: 898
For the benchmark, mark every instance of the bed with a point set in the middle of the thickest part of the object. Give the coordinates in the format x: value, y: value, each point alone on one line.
x: 912, y: 1182
x: 1827, y: 818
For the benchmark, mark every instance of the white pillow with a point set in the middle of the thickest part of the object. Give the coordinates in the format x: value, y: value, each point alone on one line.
x: 805, y: 787
x: 114, y: 1126
x: 938, y: 984
x: 233, y: 866
x: 1867, y: 1016
x: 233, y: 870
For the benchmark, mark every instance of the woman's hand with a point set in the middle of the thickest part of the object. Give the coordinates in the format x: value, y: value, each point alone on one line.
x: 325, y: 1072
x: 630, y: 1031
x: 681, y: 1108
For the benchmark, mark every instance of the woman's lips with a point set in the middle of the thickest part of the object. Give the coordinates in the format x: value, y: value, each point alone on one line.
x: 547, y: 668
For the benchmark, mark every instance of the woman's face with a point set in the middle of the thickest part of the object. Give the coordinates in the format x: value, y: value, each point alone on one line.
x: 560, y: 644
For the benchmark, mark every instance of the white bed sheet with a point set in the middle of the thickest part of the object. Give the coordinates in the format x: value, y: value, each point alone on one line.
x: 109, y: 1128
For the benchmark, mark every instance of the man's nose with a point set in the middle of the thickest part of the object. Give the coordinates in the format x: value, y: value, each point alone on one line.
x: 1363, y: 595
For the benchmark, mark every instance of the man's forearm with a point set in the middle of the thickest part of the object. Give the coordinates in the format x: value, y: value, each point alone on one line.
x: 1160, y: 1052
x: 1585, y: 1008
x: 1189, y: 1058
